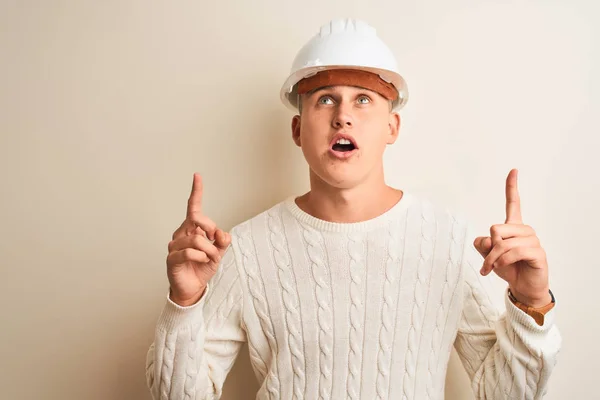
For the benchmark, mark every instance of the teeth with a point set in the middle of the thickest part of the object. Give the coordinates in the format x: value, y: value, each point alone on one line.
x: 343, y: 141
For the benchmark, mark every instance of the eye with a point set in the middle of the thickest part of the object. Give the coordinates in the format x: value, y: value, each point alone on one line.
x: 364, y: 100
x: 325, y: 100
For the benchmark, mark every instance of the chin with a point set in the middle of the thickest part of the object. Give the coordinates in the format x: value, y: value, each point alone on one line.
x: 336, y: 174
x: 339, y: 179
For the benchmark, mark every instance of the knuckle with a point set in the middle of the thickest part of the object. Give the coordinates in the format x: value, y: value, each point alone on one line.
x: 194, y: 241
x: 210, y: 252
x: 170, y: 260
x: 190, y: 228
x: 498, y: 249
x: 178, y: 231
x: 188, y: 254
x: 198, y: 241
x: 203, y: 257
x: 502, y: 260
x: 530, y: 229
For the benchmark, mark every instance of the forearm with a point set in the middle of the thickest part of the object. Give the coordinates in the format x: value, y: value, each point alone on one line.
x: 195, y: 346
x: 175, y: 361
x: 520, y: 362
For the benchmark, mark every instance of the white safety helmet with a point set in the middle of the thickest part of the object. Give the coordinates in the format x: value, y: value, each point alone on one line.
x: 344, y: 44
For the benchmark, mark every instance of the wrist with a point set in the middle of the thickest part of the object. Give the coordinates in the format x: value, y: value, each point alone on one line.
x: 188, y: 301
x: 534, y: 301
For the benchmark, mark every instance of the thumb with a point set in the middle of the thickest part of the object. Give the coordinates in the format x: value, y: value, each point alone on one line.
x: 222, y: 240
x: 483, y: 244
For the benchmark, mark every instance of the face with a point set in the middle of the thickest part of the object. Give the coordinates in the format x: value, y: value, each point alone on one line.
x: 343, y: 132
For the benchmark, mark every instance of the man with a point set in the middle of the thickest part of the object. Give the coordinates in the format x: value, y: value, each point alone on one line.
x: 354, y: 290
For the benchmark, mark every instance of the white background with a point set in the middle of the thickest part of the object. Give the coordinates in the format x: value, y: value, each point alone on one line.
x: 108, y: 107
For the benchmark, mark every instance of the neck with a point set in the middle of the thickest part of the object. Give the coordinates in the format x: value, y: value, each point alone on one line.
x: 362, y: 202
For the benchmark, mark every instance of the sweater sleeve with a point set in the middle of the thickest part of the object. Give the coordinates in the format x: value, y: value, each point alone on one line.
x: 195, y: 347
x: 506, y: 356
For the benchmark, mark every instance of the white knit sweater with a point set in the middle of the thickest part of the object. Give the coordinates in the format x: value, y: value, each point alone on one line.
x: 366, y: 310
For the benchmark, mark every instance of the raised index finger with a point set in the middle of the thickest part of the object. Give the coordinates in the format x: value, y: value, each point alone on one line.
x: 194, y: 206
x: 513, y: 200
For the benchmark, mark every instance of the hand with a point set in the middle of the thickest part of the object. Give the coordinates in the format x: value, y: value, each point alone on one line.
x: 514, y: 253
x: 193, y: 256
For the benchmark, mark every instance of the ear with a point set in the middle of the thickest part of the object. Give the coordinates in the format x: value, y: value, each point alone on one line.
x: 394, y: 127
x: 296, y: 130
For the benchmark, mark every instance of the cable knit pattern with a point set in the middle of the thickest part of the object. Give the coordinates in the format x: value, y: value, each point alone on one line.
x: 427, y: 244
x: 256, y: 289
x: 441, y: 317
x: 168, y: 357
x: 530, y: 377
x: 191, y: 371
x: 220, y: 321
x: 474, y: 355
x: 290, y: 299
x: 388, y: 326
x: 219, y: 305
x: 316, y: 253
x: 366, y: 310
x: 357, y: 314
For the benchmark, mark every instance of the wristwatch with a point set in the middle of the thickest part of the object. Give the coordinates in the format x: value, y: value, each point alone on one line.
x: 536, y: 313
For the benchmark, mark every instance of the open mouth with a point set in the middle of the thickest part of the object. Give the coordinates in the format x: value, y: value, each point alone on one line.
x: 343, y: 145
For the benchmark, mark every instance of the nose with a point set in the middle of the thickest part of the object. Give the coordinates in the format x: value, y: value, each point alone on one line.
x: 342, y: 118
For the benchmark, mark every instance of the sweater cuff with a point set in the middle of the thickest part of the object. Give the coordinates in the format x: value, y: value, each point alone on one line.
x: 525, y: 322
x: 174, y: 316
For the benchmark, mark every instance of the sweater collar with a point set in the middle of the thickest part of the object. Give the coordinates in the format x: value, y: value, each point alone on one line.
x: 394, y: 213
